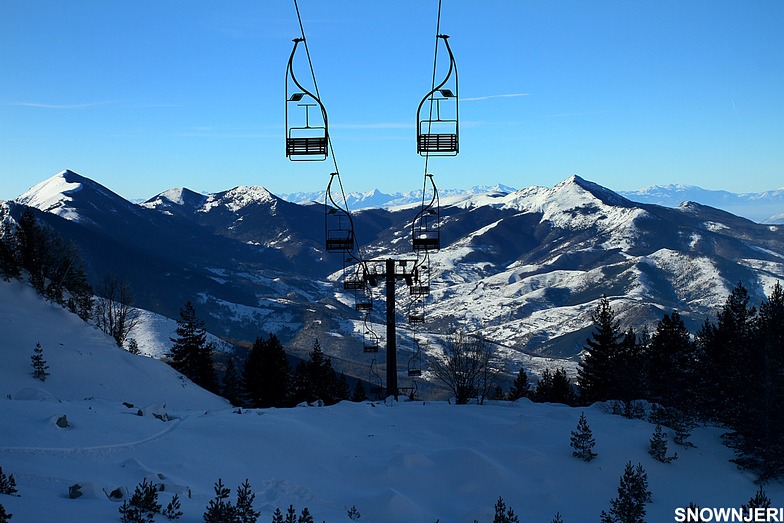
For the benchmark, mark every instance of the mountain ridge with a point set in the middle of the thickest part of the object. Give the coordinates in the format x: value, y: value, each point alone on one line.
x: 524, y: 267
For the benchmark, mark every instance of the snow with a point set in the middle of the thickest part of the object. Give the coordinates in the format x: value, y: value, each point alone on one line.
x: 394, y: 461
x: 54, y: 196
x: 238, y: 198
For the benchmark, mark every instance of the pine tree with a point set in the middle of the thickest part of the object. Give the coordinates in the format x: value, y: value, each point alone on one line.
x: 267, y: 374
x: 583, y: 441
x: 31, y: 240
x: 353, y: 513
x: 760, y: 431
x: 191, y: 354
x: 277, y: 517
x: 220, y: 509
x: 316, y: 379
x: 521, y: 388
x: 359, y: 393
x: 305, y: 517
x: 759, y: 500
x: 724, y: 359
x: 9, y: 254
x: 245, y: 511
x: 671, y: 358
x: 39, y: 363
x: 291, y: 515
x: 504, y: 514
x: 554, y: 387
x: 596, y: 372
x: 659, y: 446
x: 557, y: 518
x: 231, y: 389
x: 342, y: 390
x: 633, y: 495
x: 7, y: 483
x: 5, y: 517
x: 142, y: 506
x: 132, y: 346
x: 172, y: 510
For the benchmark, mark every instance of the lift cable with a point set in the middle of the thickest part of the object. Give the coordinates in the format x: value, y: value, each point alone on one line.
x: 329, y: 200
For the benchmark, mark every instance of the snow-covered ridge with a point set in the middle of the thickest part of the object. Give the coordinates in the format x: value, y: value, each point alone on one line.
x: 238, y: 198
x: 54, y: 195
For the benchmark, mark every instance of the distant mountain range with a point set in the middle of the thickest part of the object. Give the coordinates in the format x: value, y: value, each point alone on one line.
x: 523, y: 267
x: 763, y: 207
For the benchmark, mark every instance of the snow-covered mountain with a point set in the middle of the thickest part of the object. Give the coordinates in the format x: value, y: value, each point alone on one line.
x: 132, y: 418
x: 525, y: 267
x: 376, y: 198
x: 763, y: 207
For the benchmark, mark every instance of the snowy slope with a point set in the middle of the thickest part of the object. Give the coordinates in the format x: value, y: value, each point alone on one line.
x: 73, y: 348
x: 396, y: 462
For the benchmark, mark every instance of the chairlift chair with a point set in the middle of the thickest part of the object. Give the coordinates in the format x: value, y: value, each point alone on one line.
x: 415, y: 362
x: 308, y: 142
x: 338, y: 225
x: 438, y: 124
x: 426, y: 226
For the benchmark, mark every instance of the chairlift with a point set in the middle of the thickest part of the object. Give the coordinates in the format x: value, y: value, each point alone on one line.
x: 438, y: 125
x: 426, y: 227
x: 415, y: 362
x: 308, y: 142
x: 421, y: 286
x: 376, y: 385
x: 338, y: 225
x: 416, y: 310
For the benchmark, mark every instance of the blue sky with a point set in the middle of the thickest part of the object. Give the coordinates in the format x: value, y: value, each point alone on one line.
x: 148, y: 95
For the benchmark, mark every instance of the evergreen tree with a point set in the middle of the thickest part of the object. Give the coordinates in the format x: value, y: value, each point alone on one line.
x: 759, y: 500
x: 132, y: 346
x: 267, y: 375
x: 191, y: 354
x: 596, y: 371
x: 7, y: 483
x: 9, y: 254
x: 143, y: 505
x: 504, y: 514
x: 342, y: 390
x: 32, y: 247
x: 316, y: 379
x: 220, y: 508
x: 172, y: 510
x: 724, y: 359
x: 554, y: 387
x: 659, y: 446
x: 633, y: 495
x: 521, y: 388
x: 583, y: 441
x: 557, y: 518
x: 359, y: 393
x: 630, y: 371
x: 5, y: 517
x: 245, y: 497
x: 291, y: 515
x: 760, y: 430
x: 277, y: 517
x: 305, y: 517
x: 670, y: 362
x: 39, y: 363
x: 231, y: 389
